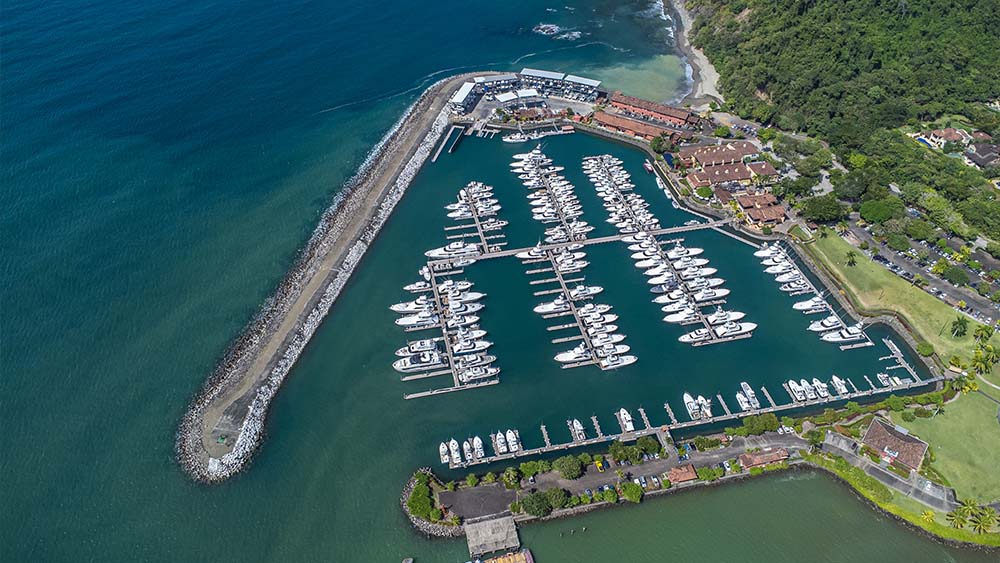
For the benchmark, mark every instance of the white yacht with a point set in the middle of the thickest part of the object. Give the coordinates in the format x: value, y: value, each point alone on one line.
x: 468, y: 361
x: 513, y: 443
x: 418, y: 346
x: 696, y: 336
x: 703, y: 283
x: 686, y: 315
x: 667, y: 296
x: 500, y: 444
x: 462, y: 308
x: 788, y: 277
x: 597, y: 318
x: 583, y: 291
x: 626, y: 420
x: 664, y: 279
x: 477, y: 447
x: 476, y: 373
x: 679, y: 251
x: 706, y: 406
x: 578, y: 432
x: 421, y: 319
x: 797, y: 391
x: 591, y: 308
x: 609, y: 349
x: 467, y: 449
x: 734, y: 329
x: 655, y: 271
x: 848, y: 334
x: 688, y: 262
x: 743, y: 401
x: 749, y: 394
x: 466, y: 333
x: 829, y: 323
x: 821, y: 389
x: 577, y: 354
x: 709, y: 294
x: 768, y: 251
x: 463, y: 296
x: 696, y: 272
x: 454, y: 249
x: 883, y: 378
x: 462, y: 320
x: 443, y: 451
x: 559, y: 305
x: 808, y: 388
x: 417, y: 287
x: 797, y: 285
x: 456, y: 455
x: 816, y: 302
x: 694, y: 411
x: 452, y: 285
x: 839, y: 385
x: 782, y: 268
x: 721, y: 316
x: 603, y: 338
x: 601, y: 328
x: 675, y: 306
x: 615, y: 361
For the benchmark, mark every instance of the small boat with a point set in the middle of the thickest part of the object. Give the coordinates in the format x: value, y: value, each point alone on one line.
x: 513, y: 443
x: 694, y: 411
x: 706, y: 406
x: 829, y: 323
x: 626, y: 420
x: 839, y: 385
x: 456, y: 455
x: 883, y: 378
x: 578, y: 432
x: 697, y: 335
x: 467, y: 450
x: 477, y: 447
x: 500, y: 444
x: 648, y: 166
x: 848, y: 334
x: 615, y: 362
x: 798, y: 393
x: 731, y: 329
x: 808, y: 388
x: 743, y: 401
x: 821, y: 389
x: 443, y: 450
x: 417, y: 287
x: 813, y: 303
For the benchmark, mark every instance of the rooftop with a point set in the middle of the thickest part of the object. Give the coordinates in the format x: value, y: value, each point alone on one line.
x: 495, y: 78
x: 487, y: 536
x: 759, y: 200
x: 534, y: 72
x: 582, y: 80
x: 719, y: 154
x: 462, y: 93
x: 639, y: 127
x: 654, y: 107
x: 757, y: 459
x: 895, y: 442
x: 682, y: 474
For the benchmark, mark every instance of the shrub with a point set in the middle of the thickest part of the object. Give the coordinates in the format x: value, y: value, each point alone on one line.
x: 704, y: 443
x: 568, y: 466
x: 709, y: 473
x: 557, y: 497
x: 704, y: 192
x: 472, y: 480
x: 420, y: 502
x: 925, y: 349
x: 908, y: 416
x: 611, y: 496
x: 537, y: 504
x: 436, y: 515
x: 631, y: 492
x: 755, y: 471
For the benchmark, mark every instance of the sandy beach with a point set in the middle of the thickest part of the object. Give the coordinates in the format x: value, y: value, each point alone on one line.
x: 705, y: 79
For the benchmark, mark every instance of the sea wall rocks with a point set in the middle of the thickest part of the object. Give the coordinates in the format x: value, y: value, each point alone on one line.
x: 421, y: 525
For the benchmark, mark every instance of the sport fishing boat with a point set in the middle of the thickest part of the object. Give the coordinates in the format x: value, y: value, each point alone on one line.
x: 697, y: 335
x: 829, y: 323
x: 721, y: 316
x: 477, y: 447
x: 601, y: 328
x: 797, y: 391
x: 454, y: 249
x: 731, y: 329
x: 591, y: 308
x: 500, y: 444
x: 418, y: 346
x: 609, y: 349
x: 422, y: 319
x: 467, y: 449
x: 839, y: 385
x: 462, y: 320
x: 788, y: 277
x: 696, y: 272
x: 767, y: 251
x: 443, y: 451
x: 666, y: 294
x: 816, y: 302
x: 418, y: 362
x: 456, y: 455
x: 848, y: 334
x: 703, y: 283
x: 463, y: 296
x: 694, y: 411
x: 578, y: 354
x: 782, y: 268
x: 578, y: 432
x: 452, y: 285
x: 821, y: 389
x: 685, y: 315
x: 626, y: 420
x: 462, y: 308
x: 749, y: 394
x: 513, y: 443
x: 476, y: 373
x: 679, y: 251
x: 808, y: 388
x: 883, y: 378
x: 743, y: 401
x: 615, y: 361
x: 706, y: 406
x: 676, y: 306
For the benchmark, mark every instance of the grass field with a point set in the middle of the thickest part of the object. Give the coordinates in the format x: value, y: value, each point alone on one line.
x: 874, y: 287
x: 966, y: 443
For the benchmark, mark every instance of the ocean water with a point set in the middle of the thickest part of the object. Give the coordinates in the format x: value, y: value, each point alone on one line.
x: 161, y: 163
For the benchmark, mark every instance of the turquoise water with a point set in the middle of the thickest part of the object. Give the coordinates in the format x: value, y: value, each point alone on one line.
x: 161, y: 164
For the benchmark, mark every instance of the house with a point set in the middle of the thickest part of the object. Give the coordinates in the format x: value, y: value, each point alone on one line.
x: 630, y: 105
x: 982, y: 155
x: 948, y: 135
x: 760, y: 459
x: 682, y: 474
x: 761, y: 209
x: 895, y: 444
x: 756, y: 200
x: 715, y: 155
x: 636, y: 128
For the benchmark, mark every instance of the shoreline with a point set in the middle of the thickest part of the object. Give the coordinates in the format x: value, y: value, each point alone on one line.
x: 704, y: 77
x: 224, y: 424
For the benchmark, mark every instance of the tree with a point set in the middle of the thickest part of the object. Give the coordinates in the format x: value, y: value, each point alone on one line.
x: 472, y: 480
x: 558, y: 498
x: 611, y: 496
x: 957, y: 519
x: 511, y: 478
x: 722, y: 131
x: 648, y: 444
x: 895, y: 403
x: 821, y: 208
x: 927, y: 516
x: 956, y: 275
x: 529, y: 469
x: 919, y: 281
x: 420, y: 502
x: 853, y: 407
x: 968, y: 506
x: 959, y: 326
x: 490, y: 477
x: 568, y: 466
x: 537, y: 504
x: 982, y: 333
x: 851, y: 258
x: 815, y: 437
x: 631, y: 491
x: 939, y: 267
x: 881, y: 210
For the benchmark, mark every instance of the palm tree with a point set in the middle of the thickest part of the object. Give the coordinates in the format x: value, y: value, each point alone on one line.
x: 990, y: 354
x: 852, y: 258
x: 919, y: 281
x: 959, y: 326
x: 823, y: 233
x: 989, y: 517
x: 957, y: 519
x: 927, y: 516
x: 979, y: 363
x: 983, y: 333
x: 982, y: 522
x: 841, y: 227
x: 968, y: 507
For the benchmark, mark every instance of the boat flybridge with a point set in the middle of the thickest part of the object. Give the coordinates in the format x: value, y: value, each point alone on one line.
x: 418, y: 346
x: 478, y: 372
x: 808, y: 388
x: 769, y: 251
x: 419, y: 362
x: 578, y: 432
x: 743, y: 401
x: 749, y: 394
x: 848, y: 334
x: 721, y: 316
x: 456, y: 456
x: 694, y: 411
x: 831, y: 322
x: 697, y: 335
x: 821, y: 388
x: 811, y: 305
x: 477, y: 447
x: 467, y: 449
x: 731, y: 329
x: 578, y: 354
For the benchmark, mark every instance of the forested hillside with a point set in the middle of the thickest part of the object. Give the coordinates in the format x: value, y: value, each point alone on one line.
x: 840, y: 69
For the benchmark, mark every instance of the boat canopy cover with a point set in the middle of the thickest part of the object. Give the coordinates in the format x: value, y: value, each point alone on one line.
x: 462, y: 93
x: 533, y: 72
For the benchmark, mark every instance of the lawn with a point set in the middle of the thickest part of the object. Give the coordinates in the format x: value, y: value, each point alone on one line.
x: 966, y: 443
x: 874, y: 287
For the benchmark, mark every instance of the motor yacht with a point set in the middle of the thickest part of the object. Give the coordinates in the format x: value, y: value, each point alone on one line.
x: 462, y: 363
x: 421, y: 303
x: 829, y: 323
x: 679, y: 251
x: 688, y: 262
x: 584, y: 291
x: 477, y: 373
x: 626, y: 420
x: 706, y: 406
x: 418, y: 362
x: 742, y: 400
x: 615, y: 362
x: 703, y: 283
x: 847, y: 334
x: 424, y: 318
x: 578, y: 354
x: 731, y: 329
x: 721, y: 316
x: 696, y: 272
x: 605, y: 338
x: 418, y: 346
x: 821, y: 388
x: 709, y: 294
x: 470, y: 346
x: 749, y: 394
x: 797, y: 285
x: 808, y: 388
x: 683, y: 316
x: 767, y: 251
x: 456, y: 455
x: 798, y: 393
x: 815, y: 302
x: 477, y: 447
x: 839, y: 385
x: 443, y: 451
x: 609, y: 349
x: 697, y: 335
x: 462, y: 320
x: 578, y: 432
x: 694, y: 411
x: 467, y: 449
x: 675, y: 306
x: 782, y: 268
x: 454, y: 249
x: 500, y: 443
x: 513, y: 441
x: 559, y: 305
x: 788, y: 277
x: 418, y: 287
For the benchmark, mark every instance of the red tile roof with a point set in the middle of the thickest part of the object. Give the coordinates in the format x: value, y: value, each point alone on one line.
x: 626, y: 124
x: 682, y: 474
x: 890, y: 441
x: 715, y: 155
x: 758, y: 200
x: 757, y: 459
x: 655, y: 108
